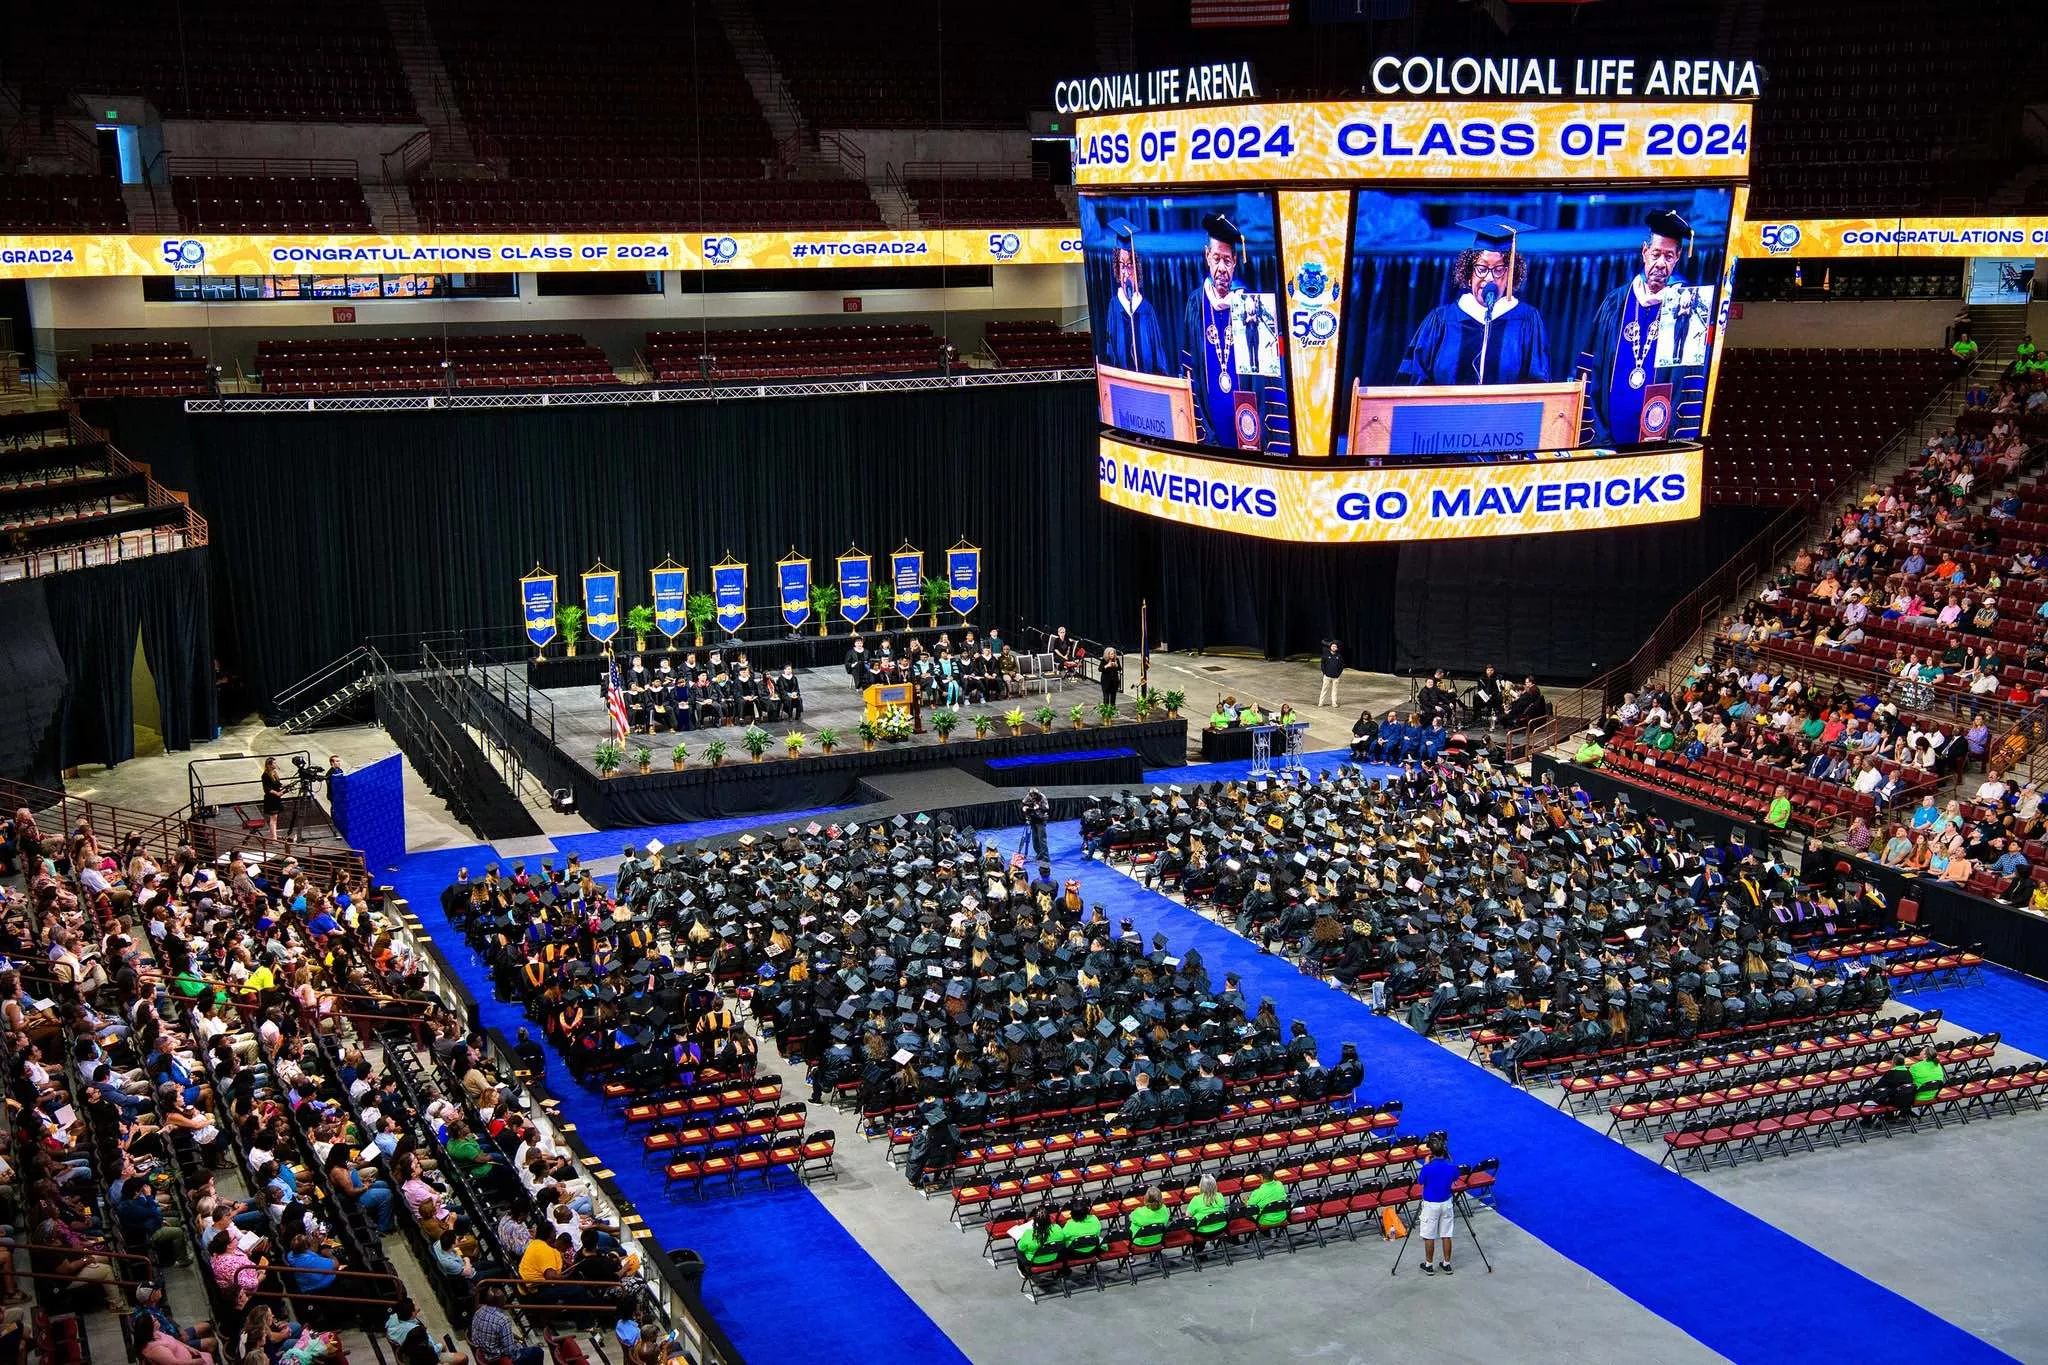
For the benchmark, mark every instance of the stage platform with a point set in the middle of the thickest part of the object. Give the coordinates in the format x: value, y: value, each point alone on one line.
x: 1095, y: 755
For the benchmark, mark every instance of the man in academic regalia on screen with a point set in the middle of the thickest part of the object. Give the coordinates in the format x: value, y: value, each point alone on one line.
x: 1647, y: 334
x: 1488, y: 334
x: 1224, y: 337
x: 1131, y: 336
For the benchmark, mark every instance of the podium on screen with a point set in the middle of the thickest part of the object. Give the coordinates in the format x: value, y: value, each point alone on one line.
x: 1455, y: 420
x: 1156, y: 405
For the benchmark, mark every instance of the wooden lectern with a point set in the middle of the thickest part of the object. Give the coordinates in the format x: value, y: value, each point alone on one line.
x: 1156, y: 405
x: 1457, y: 420
x: 882, y: 697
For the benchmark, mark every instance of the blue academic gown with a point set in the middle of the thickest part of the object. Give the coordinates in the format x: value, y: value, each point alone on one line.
x: 1446, y: 347
x: 1131, y: 338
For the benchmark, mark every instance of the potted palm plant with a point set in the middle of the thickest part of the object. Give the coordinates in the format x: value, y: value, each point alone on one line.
x: 934, y: 595
x: 681, y: 755
x: 794, y: 742
x: 1045, y: 716
x: 1174, y: 699
x: 569, y: 624
x: 609, y: 755
x: 869, y: 732
x: 824, y: 597
x: 1014, y: 718
x: 755, y: 741
x: 828, y: 738
x: 1106, y: 712
x: 945, y: 720
x: 644, y: 756
x: 1078, y: 713
x: 640, y: 620
x: 1143, y: 707
x: 715, y: 753
x: 981, y: 725
x: 702, y: 609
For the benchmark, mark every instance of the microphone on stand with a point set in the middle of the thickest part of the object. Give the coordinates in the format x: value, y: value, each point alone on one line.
x: 1489, y: 297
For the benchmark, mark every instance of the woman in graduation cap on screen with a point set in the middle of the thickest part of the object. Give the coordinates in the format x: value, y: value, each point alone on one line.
x: 1130, y: 336
x: 1488, y: 334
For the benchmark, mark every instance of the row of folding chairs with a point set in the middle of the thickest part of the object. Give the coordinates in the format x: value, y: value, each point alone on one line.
x: 803, y: 1161
x: 1762, y: 1032
x: 755, y: 1126
x: 1934, y: 967
x: 1802, y: 1128
x: 1855, y: 1045
x: 704, y: 1105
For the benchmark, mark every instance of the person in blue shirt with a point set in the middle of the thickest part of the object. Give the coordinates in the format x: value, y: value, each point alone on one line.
x: 1926, y: 813
x: 1392, y: 736
x: 1437, y: 1178
x: 312, y: 1272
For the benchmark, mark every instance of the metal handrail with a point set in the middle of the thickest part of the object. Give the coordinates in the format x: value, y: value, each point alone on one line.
x: 978, y: 170
x: 287, y: 166
x: 323, y: 679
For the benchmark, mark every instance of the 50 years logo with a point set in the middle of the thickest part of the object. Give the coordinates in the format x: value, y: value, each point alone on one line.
x: 184, y: 254
x: 720, y: 250
x: 1313, y: 317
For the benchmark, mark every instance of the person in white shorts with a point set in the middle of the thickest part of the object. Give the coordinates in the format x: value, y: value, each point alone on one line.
x: 1438, y: 1179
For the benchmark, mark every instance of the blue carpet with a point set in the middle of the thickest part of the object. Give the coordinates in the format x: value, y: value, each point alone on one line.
x: 1997, y: 1001
x: 782, y: 1277
x: 1236, y: 769
x: 608, y: 843
x: 1729, y: 1279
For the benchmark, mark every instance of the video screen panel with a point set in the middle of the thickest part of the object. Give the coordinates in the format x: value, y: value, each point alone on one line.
x: 1185, y: 292
x: 1528, y: 320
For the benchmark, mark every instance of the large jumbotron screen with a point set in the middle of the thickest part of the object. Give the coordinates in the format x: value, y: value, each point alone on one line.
x: 1480, y: 344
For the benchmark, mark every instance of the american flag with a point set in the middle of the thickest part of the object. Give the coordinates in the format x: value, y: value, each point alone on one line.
x: 615, y: 702
x: 1236, y: 13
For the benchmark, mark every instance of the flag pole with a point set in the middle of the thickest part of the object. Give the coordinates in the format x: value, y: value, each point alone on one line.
x: 1144, y: 647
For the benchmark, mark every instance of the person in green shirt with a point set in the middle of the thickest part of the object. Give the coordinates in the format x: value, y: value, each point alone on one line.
x: 1928, y: 1077
x: 2024, y: 354
x: 1037, y: 1245
x: 1209, y: 1212
x: 1219, y: 719
x: 1149, y: 1220
x: 468, y: 1155
x: 1965, y: 349
x: 1779, y: 816
x: 1081, y: 1234
x: 1250, y: 715
x: 1267, y: 1202
x: 1590, y: 752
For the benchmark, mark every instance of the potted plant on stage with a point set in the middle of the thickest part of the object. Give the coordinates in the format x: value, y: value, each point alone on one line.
x: 1106, y: 712
x: 1143, y: 707
x: 981, y: 726
x: 1078, y: 713
x: 794, y: 742
x: 1045, y: 716
x: 869, y: 732
x: 1174, y: 699
x: 681, y: 755
x: 934, y: 594
x: 610, y: 754
x: 640, y: 620
x: 945, y: 720
x: 644, y: 756
x: 1014, y: 718
x: 702, y: 609
x: 755, y: 741
x: 824, y: 597
x: 714, y: 752
x: 828, y: 738
x: 569, y: 624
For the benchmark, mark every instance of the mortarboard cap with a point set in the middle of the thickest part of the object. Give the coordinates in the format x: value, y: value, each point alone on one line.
x: 1669, y: 223
x: 1494, y: 232
x: 1219, y: 228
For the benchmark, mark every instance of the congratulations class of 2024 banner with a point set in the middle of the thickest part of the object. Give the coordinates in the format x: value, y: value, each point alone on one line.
x: 1592, y: 490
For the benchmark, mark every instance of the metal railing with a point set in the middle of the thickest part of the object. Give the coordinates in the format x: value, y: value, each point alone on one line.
x: 976, y: 170
x: 286, y: 166
x: 165, y: 523
x: 414, y: 154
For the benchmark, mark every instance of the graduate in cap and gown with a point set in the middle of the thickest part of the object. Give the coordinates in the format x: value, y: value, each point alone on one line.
x: 1488, y: 334
x: 1130, y: 336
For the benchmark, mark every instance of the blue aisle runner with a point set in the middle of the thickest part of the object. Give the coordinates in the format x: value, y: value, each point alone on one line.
x: 1724, y: 1276
x: 782, y: 1277
x: 1997, y: 1001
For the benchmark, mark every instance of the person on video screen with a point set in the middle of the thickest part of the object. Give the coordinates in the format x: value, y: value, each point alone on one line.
x: 1222, y: 338
x: 1131, y: 335
x: 1488, y: 334
x: 1654, y: 322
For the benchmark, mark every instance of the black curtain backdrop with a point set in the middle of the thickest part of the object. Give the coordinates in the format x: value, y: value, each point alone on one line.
x: 32, y: 683
x: 328, y: 529
x: 177, y: 641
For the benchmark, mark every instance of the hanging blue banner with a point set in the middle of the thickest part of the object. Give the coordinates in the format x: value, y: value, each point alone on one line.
x: 729, y: 587
x: 537, y: 592
x: 794, y: 577
x: 671, y: 598
x: 906, y: 572
x: 601, y: 604
x: 856, y: 574
x: 963, y: 577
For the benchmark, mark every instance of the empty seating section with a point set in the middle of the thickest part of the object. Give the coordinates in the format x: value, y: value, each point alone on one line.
x: 791, y: 352
x: 136, y: 369
x: 607, y: 124
x: 309, y: 61
x: 1865, y: 112
x: 1790, y: 425
x: 954, y: 64
x: 415, y: 364
x: 269, y: 203
x: 61, y: 203
x: 1039, y: 345
x: 68, y: 499
x: 1006, y: 201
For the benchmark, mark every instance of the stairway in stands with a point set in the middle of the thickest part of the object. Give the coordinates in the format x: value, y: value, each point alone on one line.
x: 427, y: 78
